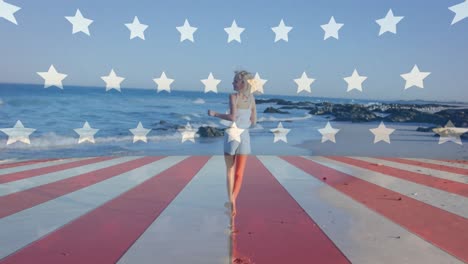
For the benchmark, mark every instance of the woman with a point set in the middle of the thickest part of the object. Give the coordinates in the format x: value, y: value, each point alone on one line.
x: 243, y: 113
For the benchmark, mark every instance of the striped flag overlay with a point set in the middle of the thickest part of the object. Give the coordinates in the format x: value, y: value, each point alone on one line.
x: 291, y: 209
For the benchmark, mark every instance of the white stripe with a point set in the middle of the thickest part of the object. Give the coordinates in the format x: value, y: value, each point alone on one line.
x: 417, y: 169
x: 361, y: 234
x: 447, y: 201
x: 193, y: 228
x: 28, y: 183
x: 444, y: 163
x: 31, y: 224
x: 38, y: 165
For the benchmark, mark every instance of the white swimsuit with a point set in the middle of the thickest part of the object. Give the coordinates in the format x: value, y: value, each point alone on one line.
x: 242, y: 121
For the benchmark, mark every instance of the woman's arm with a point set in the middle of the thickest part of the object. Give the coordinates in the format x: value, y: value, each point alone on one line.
x: 253, y: 116
x: 233, y: 109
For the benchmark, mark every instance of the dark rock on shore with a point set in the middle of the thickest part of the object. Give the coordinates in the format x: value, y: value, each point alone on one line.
x: 208, y: 131
x: 274, y: 110
x: 437, y: 114
x: 425, y: 129
x: 164, y: 125
x: 412, y: 115
x: 459, y: 117
x: 346, y: 112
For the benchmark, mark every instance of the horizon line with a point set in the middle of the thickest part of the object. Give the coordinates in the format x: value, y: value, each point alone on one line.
x: 296, y: 95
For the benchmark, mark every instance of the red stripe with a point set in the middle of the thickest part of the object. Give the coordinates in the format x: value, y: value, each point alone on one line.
x: 420, y: 178
x: 441, y: 228
x: 15, y: 202
x: 273, y: 228
x: 22, y: 163
x: 105, y: 234
x: 54, y: 168
x: 430, y: 165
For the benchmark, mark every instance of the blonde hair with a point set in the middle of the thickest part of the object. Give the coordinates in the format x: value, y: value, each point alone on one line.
x: 245, y: 76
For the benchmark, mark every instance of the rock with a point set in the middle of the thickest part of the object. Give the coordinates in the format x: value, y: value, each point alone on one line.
x: 207, y: 131
x: 425, y: 129
x: 274, y: 110
x: 437, y: 114
x: 317, y: 111
x: 353, y: 113
x: 459, y: 117
x: 267, y: 101
x: 412, y: 115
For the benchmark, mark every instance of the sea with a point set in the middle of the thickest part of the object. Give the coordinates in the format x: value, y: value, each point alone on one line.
x: 55, y: 113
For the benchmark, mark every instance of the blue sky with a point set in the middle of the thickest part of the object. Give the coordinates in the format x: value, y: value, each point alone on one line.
x: 424, y: 37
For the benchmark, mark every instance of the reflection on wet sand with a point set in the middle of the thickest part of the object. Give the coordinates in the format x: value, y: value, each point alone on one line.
x: 235, y: 165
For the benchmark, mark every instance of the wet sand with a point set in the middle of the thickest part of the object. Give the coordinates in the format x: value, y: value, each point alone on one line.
x: 355, y: 139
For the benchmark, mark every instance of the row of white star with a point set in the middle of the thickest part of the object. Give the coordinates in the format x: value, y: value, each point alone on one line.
x: 413, y: 78
x: 137, y: 29
x: 381, y: 133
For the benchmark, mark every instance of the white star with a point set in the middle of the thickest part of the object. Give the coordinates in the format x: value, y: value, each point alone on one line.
x: 139, y: 133
x: 303, y: 83
x: 234, y: 32
x: 331, y: 29
x: 257, y: 84
x: 460, y: 10
x: 52, y: 78
x: 137, y: 29
x: 234, y: 132
x: 210, y: 83
x: 328, y: 133
x: 280, y: 133
x: 164, y: 83
x: 382, y: 133
x: 18, y: 133
x: 388, y: 23
x: 80, y: 24
x: 450, y: 133
x: 355, y: 81
x: 281, y: 31
x: 86, y: 133
x: 415, y: 78
x: 186, y: 31
x: 7, y: 10
x: 112, y: 81
x: 188, y: 133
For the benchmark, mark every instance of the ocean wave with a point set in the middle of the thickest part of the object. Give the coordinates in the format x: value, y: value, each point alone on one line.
x: 28, y: 102
x: 284, y: 119
x: 198, y: 101
x: 6, y: 161
x: 53, y: 141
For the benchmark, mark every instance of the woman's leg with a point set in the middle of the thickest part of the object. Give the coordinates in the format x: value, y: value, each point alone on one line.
x: 230, y: 170
x: 238, y: 177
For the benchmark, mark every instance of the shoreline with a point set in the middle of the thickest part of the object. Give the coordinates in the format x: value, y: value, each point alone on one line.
x: 352, y: 140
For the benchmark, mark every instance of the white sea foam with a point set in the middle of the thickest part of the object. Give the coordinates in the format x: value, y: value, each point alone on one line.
x: 276, y: 119
x: 54, y: 141
x: 6, y: 161
x: 198, y: 101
